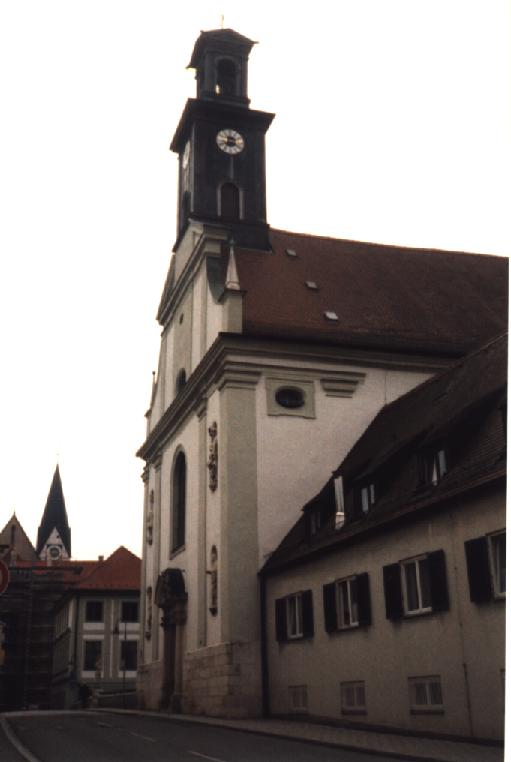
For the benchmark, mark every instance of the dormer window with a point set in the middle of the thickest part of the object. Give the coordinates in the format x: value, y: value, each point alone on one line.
x: 367, y: 497
x: 436, y: 466
x: 316, y: 521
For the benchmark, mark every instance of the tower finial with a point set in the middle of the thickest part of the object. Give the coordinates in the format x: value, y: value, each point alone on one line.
x: 232, y: 281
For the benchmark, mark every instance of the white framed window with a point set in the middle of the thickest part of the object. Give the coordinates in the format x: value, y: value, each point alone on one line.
x: 425, y: 694
x: 416, y: 583
x: 294, y: 616
x: 298, y: 699
x: 346, y: 603
x: 92, y: 665
x: 94, y: 611
x: 128, y: 657
x: 129, y: 611
x: 353, y: 697
x: 367, y: 497
x: 497, y: 549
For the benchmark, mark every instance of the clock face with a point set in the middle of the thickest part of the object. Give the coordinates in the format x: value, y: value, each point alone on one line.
x: 230, y: 141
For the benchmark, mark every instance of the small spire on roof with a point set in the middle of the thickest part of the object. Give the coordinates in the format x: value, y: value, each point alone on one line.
x: 232, y: 281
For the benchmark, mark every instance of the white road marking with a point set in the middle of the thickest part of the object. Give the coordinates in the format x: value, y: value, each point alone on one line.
x: 139, y: 735
x: 205, y: 756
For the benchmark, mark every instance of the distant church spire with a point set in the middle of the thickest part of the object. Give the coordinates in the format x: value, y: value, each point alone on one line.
x: 54, y: 534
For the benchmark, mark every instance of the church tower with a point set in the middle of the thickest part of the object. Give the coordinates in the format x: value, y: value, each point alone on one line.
x: 220, y: 142
x: 54, y: 534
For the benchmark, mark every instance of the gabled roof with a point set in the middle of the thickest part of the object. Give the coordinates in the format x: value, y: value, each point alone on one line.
x: 54, y: 516
x: 23, y: 548
x: 385, y: 297
x: 120, y: 571
x: 469, y: 398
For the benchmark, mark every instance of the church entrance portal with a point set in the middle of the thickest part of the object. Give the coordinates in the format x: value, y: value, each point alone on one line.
x: 172, y: 598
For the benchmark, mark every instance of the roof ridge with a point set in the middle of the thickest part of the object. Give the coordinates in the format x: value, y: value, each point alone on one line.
x: 398, y: 246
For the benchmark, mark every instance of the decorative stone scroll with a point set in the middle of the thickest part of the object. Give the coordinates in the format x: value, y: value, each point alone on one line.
x: 213, y: 456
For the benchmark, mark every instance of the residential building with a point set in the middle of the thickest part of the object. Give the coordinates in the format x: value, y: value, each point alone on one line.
x: 97, y: 630
x: 65, y: 622
x: 384, y: 604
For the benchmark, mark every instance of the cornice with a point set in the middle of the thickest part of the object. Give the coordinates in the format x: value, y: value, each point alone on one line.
x: 238, y: 361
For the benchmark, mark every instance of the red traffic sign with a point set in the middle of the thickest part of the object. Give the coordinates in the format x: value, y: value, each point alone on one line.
x: 4, y: 577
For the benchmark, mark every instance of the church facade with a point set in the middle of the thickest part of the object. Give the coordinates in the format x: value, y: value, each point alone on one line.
x: 277, y: 351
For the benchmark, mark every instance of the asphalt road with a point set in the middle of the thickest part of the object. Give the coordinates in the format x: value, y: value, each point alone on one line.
x: 89, y: 737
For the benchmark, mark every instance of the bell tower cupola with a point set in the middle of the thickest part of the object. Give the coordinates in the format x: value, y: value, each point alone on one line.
x: 220, y: 143
x: 220, y: 59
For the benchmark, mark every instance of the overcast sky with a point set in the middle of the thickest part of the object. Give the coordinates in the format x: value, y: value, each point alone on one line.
x: 393, y: 124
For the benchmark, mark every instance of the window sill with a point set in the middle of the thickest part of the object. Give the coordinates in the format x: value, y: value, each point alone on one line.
x: 419, y: 613
x: 438, y: 711
x: 177, y: 551
x: 352, y: 712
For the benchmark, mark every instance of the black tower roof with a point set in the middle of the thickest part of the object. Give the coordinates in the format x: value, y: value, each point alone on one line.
x: 54, y: 516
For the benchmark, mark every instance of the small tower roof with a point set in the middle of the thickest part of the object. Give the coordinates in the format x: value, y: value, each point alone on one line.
x: 54, y: 516
x: 13, y: 538
x: 224, y: 38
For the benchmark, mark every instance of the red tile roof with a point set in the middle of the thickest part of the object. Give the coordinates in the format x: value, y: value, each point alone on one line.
x: 120, y: 571
x: 385, y: 297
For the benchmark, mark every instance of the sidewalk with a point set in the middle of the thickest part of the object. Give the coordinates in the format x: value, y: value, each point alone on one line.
x: 390, y: 744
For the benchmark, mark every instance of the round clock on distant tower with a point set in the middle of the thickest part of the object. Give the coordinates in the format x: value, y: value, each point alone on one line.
x: 230, y: 141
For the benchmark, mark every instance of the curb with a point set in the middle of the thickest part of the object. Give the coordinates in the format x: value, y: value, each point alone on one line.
x: 269, y: 734
x: 15, y: 741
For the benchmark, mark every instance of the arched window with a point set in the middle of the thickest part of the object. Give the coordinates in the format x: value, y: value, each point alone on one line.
x: 225, y: 77
x: 179, y: 502
x: 180, y: 380
x: 230, y: 201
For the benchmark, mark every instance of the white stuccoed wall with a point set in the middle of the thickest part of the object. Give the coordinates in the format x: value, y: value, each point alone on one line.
x: 296, y: 455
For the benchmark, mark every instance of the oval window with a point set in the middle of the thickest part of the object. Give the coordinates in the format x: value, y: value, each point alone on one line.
x: 290, y: 397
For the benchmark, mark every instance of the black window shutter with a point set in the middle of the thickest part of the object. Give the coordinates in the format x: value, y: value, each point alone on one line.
x: 438, y: 580
x: 329, y: 607
x: 307, y: 614
x: 392, y: 587
x: 364, y: 599
x: 478, y: 570
x: 280, y: 619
